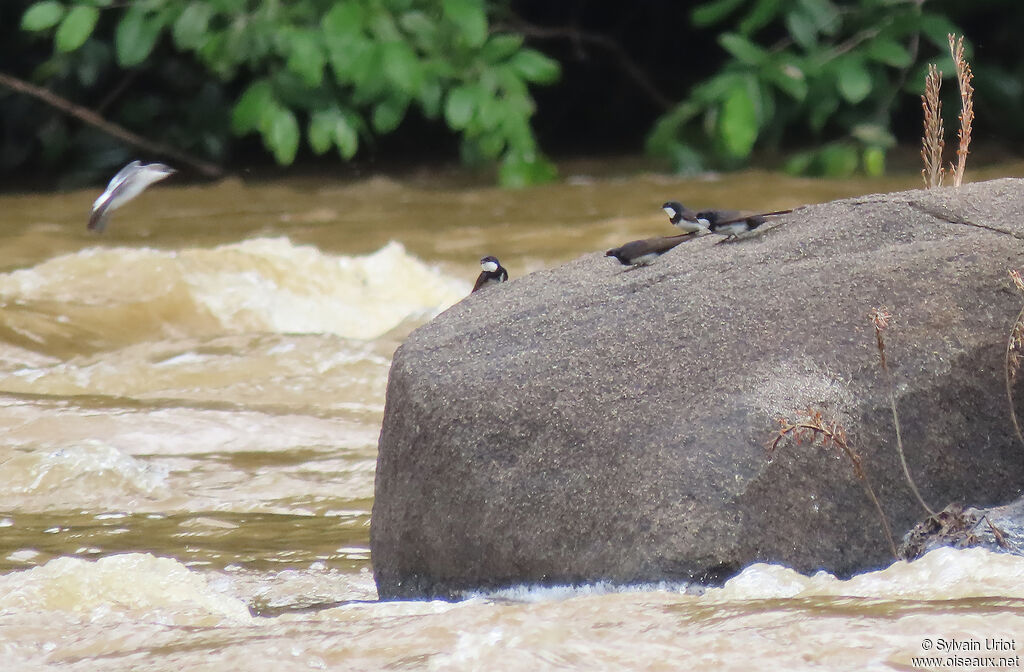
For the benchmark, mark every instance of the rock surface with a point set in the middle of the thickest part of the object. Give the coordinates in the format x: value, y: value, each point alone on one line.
x: 997, y: 528
x: 592, y: 423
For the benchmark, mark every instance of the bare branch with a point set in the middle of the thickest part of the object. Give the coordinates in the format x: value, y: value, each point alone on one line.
x: 578, y: 36
x: 88, y: 116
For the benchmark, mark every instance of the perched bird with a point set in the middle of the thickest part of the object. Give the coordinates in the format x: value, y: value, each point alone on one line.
x: 643, y: 252
x: 692, y: 221
x: 129, y: 182
x: 740, y: 225
x: 735, y: 227
x: 491, y: 273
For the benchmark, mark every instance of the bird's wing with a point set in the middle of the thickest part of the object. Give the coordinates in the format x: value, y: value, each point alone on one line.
x: 123, y: 173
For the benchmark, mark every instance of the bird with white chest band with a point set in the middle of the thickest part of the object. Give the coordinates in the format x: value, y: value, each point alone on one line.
x: 491, y: 273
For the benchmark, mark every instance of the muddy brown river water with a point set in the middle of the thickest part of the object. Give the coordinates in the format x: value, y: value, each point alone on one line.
x: 189, y: 411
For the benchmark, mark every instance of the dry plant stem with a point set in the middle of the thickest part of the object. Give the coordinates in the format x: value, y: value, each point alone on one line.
x: 93, y: 119
x: 899, y: 444
x: 837, y: 437
x: 963, y: 78
x: 1014, y: 345
x: 880, y: 319
x: 933, y: 141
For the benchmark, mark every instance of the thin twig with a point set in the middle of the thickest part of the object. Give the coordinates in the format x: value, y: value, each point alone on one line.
x: 93, y: 119
x: 116, y: 92
x: 880, y: 319
x: 577, y: 36
x: 1014, y: 345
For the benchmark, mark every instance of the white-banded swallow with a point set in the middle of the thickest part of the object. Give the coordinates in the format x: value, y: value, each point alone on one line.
x: 129, y: 182
x: 691, y: 221
x: 491, y: 273
x: 740, y: 225
x: 643, y: 252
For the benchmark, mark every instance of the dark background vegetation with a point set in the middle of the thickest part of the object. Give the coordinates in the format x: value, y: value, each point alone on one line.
x: 627, y: 70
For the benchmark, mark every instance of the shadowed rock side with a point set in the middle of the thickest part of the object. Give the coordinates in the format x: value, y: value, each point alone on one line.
x: 589, y: 422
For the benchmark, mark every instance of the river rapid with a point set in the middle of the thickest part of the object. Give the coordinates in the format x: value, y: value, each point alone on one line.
x: 189, y: 412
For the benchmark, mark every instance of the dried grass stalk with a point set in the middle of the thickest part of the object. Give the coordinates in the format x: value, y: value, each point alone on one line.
x: 963, y: 78
x: 933, y: 141
x: 833, y: 435
x: 1014, y: 348
x: 880, y: 318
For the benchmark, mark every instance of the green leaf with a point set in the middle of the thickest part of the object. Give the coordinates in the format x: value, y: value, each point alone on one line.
x: 345, y: 20
x: 712, y: 91
x: 430, y: 97
x: 462, y: 102
x: 389, y: 114
x: 743, y: 49
x: 382, y: 25
x: 491, y: 145
x: 837, y: 160
x: 470, y: 17
x: 788, y: 77
x: 888, y: 51
x: 282, y: 135
x: 365, y: 68
x: 76, y: 28
x: 534, y: 66
x: 822, y: 108
x: 799, y: 163
x: 42, y: 16
x: 191, y: 26
x: 874, y: 161
x: 306, y: 56
x: 520, y: 170
x: 737, y: 124
x: 251, y: 107
x: 332, y: 126
x: 346, y: 137
x: 937, y: 28
x: 136, y: 36
x: 801, y: 27
x: 874, y: 135
x: 500, y: 47
x: 419, y: 24
x: 402, y: 67
x: 763, y: 13
x: 854, y: 80
x: 823, y: 14
x: 685, y: 160
x: 321, y: 130
x: 714, y: 12
x: 663, y: 136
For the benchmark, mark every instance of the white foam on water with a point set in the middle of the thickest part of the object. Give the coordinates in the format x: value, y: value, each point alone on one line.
x: 118, y: 584
x: 942, y: 574
x: 258, y: 285
x: 90, y: 468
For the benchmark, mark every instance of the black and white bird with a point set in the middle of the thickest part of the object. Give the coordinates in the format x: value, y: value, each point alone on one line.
x: 129, y: 182
x: 643, y: 252
x: 737, y: 226
x: 491, y: 273
x: 691, y: 221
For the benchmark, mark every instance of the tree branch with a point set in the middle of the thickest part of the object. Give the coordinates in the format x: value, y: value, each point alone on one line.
x: 577, y: 37
x: 93, y: 119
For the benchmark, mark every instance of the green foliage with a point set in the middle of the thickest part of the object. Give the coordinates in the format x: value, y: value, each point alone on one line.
x: 332, y: 73
x: 831, y: 79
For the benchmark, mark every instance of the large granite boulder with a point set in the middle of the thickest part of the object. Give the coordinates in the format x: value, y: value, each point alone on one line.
x: 590, y: 422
